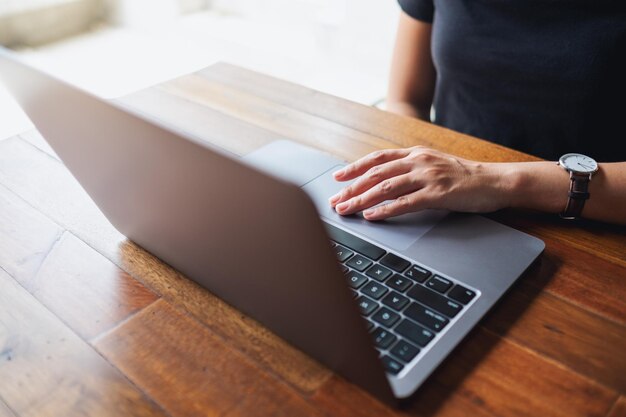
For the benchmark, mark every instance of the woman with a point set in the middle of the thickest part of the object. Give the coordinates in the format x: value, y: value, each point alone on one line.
x: 547, y: 77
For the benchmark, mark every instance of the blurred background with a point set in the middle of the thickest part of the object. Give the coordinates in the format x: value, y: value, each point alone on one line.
x: 115, y: 47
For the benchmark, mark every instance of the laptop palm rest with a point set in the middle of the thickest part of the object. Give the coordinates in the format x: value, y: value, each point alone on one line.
x: 291, y: 162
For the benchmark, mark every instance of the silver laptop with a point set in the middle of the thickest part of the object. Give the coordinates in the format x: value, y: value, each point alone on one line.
x: 381, y: 303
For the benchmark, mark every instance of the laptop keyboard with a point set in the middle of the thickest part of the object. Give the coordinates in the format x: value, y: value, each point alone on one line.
x: 405, y: 305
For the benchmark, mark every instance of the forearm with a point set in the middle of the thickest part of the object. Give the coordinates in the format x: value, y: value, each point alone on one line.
x: 544, y: 186
x: 412, y: 74
x: 408, y: 109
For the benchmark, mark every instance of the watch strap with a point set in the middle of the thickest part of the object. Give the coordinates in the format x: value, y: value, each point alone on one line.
x: 578, y: 195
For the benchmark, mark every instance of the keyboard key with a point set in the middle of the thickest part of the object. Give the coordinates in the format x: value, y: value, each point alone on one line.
x: 370, y: 325
x: 354, y: 243
x: 395, y: 301
x: 417, y: 273
x: 413, y: 332
x: 434, y: 300
x: 374, y: 290
x: 426, y: 316
x: 367, y: 305
x: 395, y: 262
x: 400, y: 283
x: 404, y: 351
x: 386, y: 317
x: 356, y: 280
x: 438, y: 283
x: 461, y: 294
x: 383, y: 338
x: 359, y: 263
x: 391, y: 365
x: 342, y: 253
x: 344, y: 269
x: 379, y: 273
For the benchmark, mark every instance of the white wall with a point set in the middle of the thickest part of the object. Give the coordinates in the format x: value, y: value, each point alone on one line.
x: 336, y: 46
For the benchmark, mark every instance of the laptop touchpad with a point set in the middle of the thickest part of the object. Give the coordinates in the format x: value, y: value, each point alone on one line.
x: 398, y: 233
x: 291, y: 161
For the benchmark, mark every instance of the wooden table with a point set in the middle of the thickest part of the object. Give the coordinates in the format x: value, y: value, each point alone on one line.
x: 91, y: 324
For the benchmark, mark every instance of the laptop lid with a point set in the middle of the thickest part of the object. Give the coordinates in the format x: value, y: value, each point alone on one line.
x: 232, y: 229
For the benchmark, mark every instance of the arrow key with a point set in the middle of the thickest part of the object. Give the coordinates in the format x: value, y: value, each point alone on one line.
x: 395, y: 301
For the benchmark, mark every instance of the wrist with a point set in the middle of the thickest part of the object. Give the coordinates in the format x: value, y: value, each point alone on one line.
x: 510, y: 180
x: 536, y: 185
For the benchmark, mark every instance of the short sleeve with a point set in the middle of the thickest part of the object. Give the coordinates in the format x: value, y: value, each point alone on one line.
x: 418, y: 9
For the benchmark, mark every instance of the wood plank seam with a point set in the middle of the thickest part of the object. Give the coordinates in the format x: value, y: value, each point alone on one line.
x: 57, y: 238
x: 36, y: 137
x: 619, y: 408
x: 92, y: 343
x: 550, y: 359
x: 201, y: 361
x: 580, y: 306
x: 222, y: 338
x: 4, y: 404
x: 28, y: 203
x: 36, y: 148
x: 95, y: 339
x: 613, y: 407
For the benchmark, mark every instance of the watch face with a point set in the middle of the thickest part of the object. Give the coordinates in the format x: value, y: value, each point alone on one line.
x: 578, y: 163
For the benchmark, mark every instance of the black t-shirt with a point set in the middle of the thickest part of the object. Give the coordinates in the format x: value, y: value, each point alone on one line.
x: 546, y: 77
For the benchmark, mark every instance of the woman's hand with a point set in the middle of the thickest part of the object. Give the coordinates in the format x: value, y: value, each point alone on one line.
x: 420, y: 178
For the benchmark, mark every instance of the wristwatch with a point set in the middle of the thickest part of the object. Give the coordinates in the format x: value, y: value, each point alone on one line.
x: 581, y: 168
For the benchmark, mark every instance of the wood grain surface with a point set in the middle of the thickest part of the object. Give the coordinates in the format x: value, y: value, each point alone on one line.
x: 47, y: 370
x: 91, y: 324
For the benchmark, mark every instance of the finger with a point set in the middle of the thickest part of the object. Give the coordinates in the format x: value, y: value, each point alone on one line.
x: 360, y: 166
x: 387, y: 190
x: 407, y: 203
x: 372, y: 177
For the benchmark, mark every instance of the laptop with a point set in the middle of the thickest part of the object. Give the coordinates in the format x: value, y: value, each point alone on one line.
x: 380, y: 303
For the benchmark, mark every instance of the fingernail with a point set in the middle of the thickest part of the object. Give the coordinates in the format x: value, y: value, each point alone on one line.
x: 342, y: 206
x: 338, y: 173
x: 369, y: 212
x: 334, y: 198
